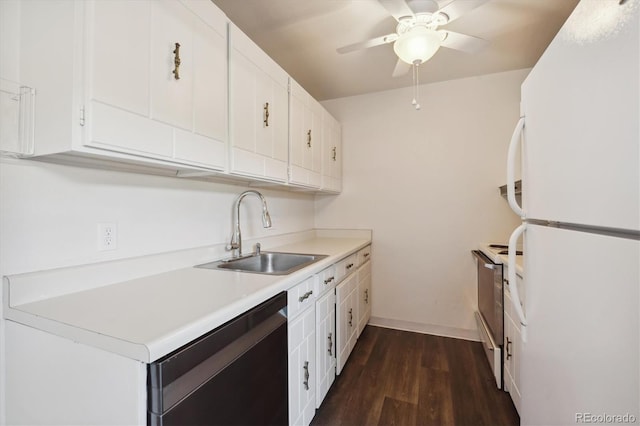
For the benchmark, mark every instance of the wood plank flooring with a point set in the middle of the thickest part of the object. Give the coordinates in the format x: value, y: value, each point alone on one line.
x: 401, y: 378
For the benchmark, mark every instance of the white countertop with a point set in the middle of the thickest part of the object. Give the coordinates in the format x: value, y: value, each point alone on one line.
x: 147, y: 318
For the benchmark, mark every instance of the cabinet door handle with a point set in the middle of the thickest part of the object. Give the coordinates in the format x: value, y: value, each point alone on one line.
x: 349, y: 266
x: 176, y: 61
x: 328, y: 280
x: 366, y: 255
x: 509, y: 348
x: 309, y: 138
x: 351, y: 317
x: 333, y: 155
x: 306, y: 375
x: 266, y: 115
x: 305, y: 296
x: 330, y: 350
x: 366, y: 296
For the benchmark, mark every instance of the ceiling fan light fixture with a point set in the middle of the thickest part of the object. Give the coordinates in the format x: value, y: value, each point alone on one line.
x: 418, y: 44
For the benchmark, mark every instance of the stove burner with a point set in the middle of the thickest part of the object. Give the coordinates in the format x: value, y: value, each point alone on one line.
x: 518, y: 252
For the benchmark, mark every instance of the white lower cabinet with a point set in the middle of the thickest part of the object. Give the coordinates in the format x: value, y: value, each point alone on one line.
x: 327, y: 312
x: 325, y: 333
x: 364, y: 296
x: 302, y: 353
x: 346, y: 319
x: 52, y: 380
x: 512, y: 345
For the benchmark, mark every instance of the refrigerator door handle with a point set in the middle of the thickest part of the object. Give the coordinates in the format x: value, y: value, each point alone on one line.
x: 513, y: 287
x: 511, y: 159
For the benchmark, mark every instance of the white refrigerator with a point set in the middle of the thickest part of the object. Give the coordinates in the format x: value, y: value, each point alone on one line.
x: 579, y: 138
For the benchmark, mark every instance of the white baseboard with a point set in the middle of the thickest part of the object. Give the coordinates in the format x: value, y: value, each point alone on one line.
x: 436, y: 330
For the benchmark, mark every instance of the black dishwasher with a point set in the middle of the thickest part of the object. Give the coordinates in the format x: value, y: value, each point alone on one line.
x: 233, y: 375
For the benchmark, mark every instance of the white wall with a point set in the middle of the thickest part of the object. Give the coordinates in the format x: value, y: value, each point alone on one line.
x: 426, y: 183
x: 49, y: 214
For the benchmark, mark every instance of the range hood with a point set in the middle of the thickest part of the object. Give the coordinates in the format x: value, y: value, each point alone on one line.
x: 518, y: 185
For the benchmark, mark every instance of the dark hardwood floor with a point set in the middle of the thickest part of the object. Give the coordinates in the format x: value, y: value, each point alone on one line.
x: 403, y: 378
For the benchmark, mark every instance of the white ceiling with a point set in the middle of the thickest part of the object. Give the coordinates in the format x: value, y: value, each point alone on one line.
x: 303, y: 35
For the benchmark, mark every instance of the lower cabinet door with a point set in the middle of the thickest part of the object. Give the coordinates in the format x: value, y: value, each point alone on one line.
x: 302, y: 367
x: 325, y: 344
x: 364, y: 296
x: 346, y: 320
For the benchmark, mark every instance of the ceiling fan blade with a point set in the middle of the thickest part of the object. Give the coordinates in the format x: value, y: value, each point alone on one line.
x: 457, y: 8
x: 401, y: 68
x: 389, y: 38
x: 463, y: 42
x: 397, y: 8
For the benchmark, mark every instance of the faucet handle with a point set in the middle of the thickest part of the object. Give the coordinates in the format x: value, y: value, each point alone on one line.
x: 258, y: 247
x: 232, y: 246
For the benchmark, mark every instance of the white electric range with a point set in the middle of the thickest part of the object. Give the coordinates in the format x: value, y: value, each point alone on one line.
x: 491, y: 259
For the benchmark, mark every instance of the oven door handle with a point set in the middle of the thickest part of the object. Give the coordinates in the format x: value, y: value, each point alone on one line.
x: 487, y: 263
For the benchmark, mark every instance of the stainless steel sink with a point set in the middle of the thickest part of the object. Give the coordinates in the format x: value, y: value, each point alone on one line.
x: 270, y: 263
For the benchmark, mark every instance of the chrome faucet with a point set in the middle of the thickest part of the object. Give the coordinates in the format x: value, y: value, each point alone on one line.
x: 236, y: 238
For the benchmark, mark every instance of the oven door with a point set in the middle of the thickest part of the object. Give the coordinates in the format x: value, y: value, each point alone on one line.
x: 490, y: 317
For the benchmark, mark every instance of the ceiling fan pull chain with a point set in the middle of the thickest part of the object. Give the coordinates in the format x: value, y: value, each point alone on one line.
x: 415, y: 85
x: 413, y: 75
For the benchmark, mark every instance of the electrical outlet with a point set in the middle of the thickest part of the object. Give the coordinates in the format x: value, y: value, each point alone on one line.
x: 107, y: 236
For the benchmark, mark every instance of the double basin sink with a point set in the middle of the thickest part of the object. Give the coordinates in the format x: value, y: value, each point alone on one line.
x: 269, y: 263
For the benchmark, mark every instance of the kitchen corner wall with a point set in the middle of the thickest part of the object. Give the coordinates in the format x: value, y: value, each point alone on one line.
x: 427, y: 183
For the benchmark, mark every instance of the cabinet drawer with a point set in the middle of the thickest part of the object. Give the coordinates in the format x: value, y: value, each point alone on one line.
x: 346, y: 266
x: 300, y: 297
x: 325, y: 280
x: 364, y: 255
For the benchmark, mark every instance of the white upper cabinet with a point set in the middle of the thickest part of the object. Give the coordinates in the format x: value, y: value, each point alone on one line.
x: 168, y: 84
x: 156, y: 79
x: 104, y: 76
x: 258, y: 110
x: 331, y: 153
x: 305, y: 133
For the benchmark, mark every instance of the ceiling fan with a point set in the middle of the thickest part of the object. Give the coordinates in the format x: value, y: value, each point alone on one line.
x: 417, y: 37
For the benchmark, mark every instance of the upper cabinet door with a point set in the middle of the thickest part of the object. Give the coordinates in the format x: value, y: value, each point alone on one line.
x: 172, y: 58
x: 331, y: 154
x: 305, y: 129
x: 258, y: 111
x: 156, y: 80
x: 119, y: 63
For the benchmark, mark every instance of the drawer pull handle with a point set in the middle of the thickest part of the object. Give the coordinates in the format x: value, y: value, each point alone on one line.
x: 351, y: 317
x: 366, y: 255
x: 306, y: 375
x: 266, y: 115
x: 330, y: 345
x: 349, y: 266
x: 305, y: 296
x: 176, y: 62
x: 328, y: 280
